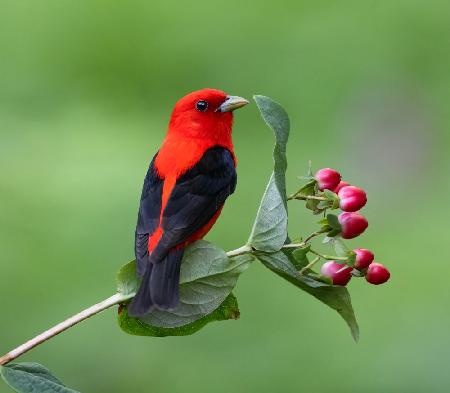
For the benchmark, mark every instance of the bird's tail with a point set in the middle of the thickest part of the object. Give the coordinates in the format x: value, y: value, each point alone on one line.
x: 160, y: 285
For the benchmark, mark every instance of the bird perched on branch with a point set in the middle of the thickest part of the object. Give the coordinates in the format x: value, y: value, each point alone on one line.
x: 186, y: 185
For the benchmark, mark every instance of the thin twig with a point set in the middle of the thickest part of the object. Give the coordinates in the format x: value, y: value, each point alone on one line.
x: 240, y: 251
x: 328, y: 257
x: 294, y: 245
x: 314, y: 234
x: 306, y: 197
x: 310, y: 265
x: 59, y: 328
x: 249, y: 250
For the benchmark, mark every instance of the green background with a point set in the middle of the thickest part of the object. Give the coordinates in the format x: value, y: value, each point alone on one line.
x: 86, y: 91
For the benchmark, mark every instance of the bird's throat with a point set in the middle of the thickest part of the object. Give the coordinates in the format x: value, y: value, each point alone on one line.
x: 177, y: 154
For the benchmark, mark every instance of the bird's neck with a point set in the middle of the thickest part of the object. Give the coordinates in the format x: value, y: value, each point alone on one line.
x: 179, y: 153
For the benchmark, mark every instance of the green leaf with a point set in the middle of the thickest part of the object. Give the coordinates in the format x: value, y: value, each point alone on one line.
x: 342, y: 250
x: 270, y: 227
x: 227, y: 310
x: 335, y: 297
x: 351, y: 258
x: 323, y: 221
x: 333, y: 232
x: 308, y: 189
x: 330, y: 195
x: 333, y: 222
x: 322, y: 205
x: 127, y: 280
x: 299, y: 257
x: 340, y: 247
x: 333, y: 198
x: 32, y: 378
x: 207, y: 277
x: 313, y: 204
x: 279, y: 263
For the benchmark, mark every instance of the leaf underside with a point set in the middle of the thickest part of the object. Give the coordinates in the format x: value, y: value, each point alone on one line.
x: 227, y: 310
x: 269, y: 230
x: 336, y: 297
x: 207, y: 278
x: 32, y: 378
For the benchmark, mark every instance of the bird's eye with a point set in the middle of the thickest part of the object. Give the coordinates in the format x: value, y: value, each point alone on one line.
x: 201, y: 105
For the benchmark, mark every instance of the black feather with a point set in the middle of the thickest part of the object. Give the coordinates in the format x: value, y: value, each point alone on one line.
x: 196, y: 197
x: 164, y: 283
x: 142, y: 302
x: 148, y: 217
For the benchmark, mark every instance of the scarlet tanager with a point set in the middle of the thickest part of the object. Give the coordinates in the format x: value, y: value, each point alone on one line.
x: 186, y: 185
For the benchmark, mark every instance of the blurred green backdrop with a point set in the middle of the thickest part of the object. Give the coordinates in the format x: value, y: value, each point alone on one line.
x: 86, y: 91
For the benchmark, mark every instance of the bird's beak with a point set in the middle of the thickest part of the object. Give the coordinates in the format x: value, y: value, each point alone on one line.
x: 232, y: 103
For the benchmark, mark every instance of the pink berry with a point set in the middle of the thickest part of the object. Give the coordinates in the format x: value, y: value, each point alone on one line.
x: 352, y: 198
x: 353, y: 224
x: 327, y: 178
x: 339, y: 273
x: 377, y: 274
x: 341, y: 184
x: 364, y: 258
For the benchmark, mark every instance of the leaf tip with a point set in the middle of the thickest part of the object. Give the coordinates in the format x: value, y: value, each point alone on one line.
x: 256, y: 97
x: 355, y: 334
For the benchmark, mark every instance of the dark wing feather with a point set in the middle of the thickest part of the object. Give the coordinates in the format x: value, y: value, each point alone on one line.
x: 196, y: 197
x: 148, y: 217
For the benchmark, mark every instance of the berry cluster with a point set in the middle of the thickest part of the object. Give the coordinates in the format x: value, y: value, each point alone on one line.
x: 326, y: 190
x: 350, y: 200
x: 340, y: 274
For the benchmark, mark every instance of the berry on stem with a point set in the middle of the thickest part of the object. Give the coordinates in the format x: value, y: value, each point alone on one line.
x: 351, y: 198
x: 352, y: 224
x: 364, y: 258
x: 341, y: 184
x: 327, y: 178
x: 338, y: 272
x: 377, y: 274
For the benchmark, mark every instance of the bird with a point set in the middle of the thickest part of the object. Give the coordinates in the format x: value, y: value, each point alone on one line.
x: 185, y: 188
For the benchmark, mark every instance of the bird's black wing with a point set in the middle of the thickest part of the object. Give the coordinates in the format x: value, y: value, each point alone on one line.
x: 196, y: 197
x: 148, y: 217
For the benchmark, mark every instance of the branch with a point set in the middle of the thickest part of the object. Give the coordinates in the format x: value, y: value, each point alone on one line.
x: 329, y: 257
x: 68, y: 323
x: 249, y: 250
x: 310, y: 265
x: 314, y: 234
x: 105, y: 304
x: 306, y: 197
x: 240, y: 251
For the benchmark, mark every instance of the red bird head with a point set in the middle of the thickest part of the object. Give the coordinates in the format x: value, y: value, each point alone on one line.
x: 200, y: 120
x: 205, y: 114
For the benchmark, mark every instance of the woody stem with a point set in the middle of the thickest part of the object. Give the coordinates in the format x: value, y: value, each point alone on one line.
x: 60, y: 327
